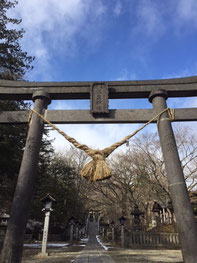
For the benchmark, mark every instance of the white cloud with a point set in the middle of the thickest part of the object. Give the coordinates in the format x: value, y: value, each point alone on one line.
x: 69, y: 105
x: 187, y: 72
x: 155, y: 18
x: 149, y: 19
x: 53, y: 26
x: 60, y: 105
x: 125, y: 74
x: 117, y: 8
x: 96, y: 136
x: 187, y: 102
x: 186, y: 12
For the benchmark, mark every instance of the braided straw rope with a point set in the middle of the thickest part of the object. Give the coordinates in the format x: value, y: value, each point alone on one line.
x: 97, y: 168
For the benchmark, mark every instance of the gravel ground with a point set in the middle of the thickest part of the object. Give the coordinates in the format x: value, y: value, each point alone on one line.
x: 125, y: 255
x: 56, y: 255
x: 146, y: 256
x: 68, y: 255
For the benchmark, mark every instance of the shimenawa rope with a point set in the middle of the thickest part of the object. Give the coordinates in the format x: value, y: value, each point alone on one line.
x: 97, y: 168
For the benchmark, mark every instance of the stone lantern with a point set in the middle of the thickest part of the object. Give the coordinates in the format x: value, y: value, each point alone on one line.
x: 122, y: 220
x: 112, y: 224
x: 72, y: 220
x: 4, y: 219
x: 136, y: 213
x: 47, y: 202
x: 3, y: 225
x: 77, y: 224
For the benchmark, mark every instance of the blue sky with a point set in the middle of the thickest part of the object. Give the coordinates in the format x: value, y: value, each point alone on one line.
x: 87, y: 40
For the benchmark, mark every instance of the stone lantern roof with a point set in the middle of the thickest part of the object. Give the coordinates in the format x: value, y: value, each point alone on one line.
x: 48, y: 197
x: 4, y: 216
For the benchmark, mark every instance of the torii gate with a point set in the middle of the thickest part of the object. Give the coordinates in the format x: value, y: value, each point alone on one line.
x: 157, y: 91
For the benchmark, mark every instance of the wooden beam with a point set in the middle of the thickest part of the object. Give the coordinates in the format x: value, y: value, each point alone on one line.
x: 23, y: 90
x: 84, y: 116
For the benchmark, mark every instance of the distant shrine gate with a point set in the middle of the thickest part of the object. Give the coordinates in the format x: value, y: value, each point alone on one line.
x: 157, y: 91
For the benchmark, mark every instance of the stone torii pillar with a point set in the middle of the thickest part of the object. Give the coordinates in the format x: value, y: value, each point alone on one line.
x: 177, y: 186
x: 13, y: 243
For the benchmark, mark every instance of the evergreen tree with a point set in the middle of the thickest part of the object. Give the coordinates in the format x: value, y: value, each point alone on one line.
x: 12, y: 143
x: 13, y: 65
x: 58, y: 178
x: 13, y: 61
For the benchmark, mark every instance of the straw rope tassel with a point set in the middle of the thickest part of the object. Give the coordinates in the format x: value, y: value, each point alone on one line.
x: 97, y: 168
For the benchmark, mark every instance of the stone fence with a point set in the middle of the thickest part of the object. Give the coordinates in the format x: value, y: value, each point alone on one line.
x: 152, y: 240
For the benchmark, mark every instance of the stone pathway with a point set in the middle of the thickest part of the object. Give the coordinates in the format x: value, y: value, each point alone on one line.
x: 93, y: 252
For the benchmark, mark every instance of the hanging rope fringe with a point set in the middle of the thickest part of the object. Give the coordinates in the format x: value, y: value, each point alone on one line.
x: 97, y: 169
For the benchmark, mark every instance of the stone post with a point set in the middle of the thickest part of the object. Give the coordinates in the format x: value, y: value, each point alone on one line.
x: 13, y: 243
x: 71, y: 232
x: 177, y: 186
x: 122, y: 235
x: 87, y: 224
x: 99, y: 222
x: 77, y: 232
x: 102, y: 231
x: 98, y: 225
x: 113, y: 236
x: 45, y: 233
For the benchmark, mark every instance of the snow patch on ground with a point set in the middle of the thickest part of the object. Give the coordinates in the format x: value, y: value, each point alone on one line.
x: 103, y: 246
x: 39, y: 245
x: 84, y: 240
x: 82, y: 245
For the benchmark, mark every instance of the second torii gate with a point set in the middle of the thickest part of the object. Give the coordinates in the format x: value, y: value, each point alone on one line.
x: 157, y: 91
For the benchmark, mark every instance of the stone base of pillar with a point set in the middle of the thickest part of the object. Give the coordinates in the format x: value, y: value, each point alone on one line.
x: 43, y: 254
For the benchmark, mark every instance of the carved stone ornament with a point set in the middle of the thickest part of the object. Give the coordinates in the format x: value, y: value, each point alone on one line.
x: 99, y: 98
